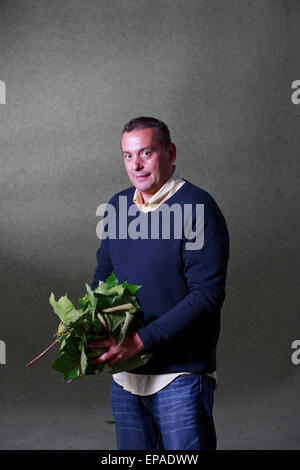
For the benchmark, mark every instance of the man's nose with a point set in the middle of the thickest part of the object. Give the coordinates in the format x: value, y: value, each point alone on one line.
x: 137, y: 163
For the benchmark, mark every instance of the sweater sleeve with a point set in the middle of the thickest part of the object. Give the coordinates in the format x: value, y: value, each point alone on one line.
x: 205, y: 274
x: 104, y: 265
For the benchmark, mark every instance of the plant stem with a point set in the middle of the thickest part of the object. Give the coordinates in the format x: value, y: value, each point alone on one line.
x: 40, y: 355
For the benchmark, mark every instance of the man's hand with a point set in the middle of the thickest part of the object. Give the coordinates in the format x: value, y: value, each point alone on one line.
x: 130, y: 346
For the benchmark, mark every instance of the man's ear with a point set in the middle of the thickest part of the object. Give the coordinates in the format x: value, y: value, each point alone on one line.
x: 172, y: 152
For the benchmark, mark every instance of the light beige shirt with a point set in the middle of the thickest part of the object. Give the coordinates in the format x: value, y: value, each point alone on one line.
x: 145, y: 384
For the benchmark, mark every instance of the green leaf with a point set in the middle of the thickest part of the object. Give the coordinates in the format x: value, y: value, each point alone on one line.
x: 78, y: 331
x: 72, y: 343
x: 104, y: 301
x: 65, y: 310
x: 78, y: 328
x: 93, y: 370
x: 126, y: 299
x: 93, y: 300
x: 111, y: 281
x: 128, y: 319
x: 117, y: 319
x: 83, y: 360
x: 93, y: 354
x: 68, y: 364
x: 97, y: 326
x: 84, y: 301
x: 99, y: 367
x: 108, y: 320
x: 115, y: 290
x: 130, y: 288
x: 136, y: 361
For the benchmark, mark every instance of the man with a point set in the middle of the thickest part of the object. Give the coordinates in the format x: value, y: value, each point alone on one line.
x: 167, y: 403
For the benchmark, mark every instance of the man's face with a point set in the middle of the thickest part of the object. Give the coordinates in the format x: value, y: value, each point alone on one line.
x: 147, y: 164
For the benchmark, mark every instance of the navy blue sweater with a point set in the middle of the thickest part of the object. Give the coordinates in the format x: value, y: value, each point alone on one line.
x: 182, y: 290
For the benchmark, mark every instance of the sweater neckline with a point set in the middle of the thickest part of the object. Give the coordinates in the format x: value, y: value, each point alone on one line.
x: 185, y: 185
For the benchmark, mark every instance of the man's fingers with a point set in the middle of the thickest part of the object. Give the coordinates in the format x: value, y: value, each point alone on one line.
x: 104, y: 343
x: 110, y: 359
x: 101, y: 358
x: 115, y: 352
x: 116, y: 359
x: 97, y: 360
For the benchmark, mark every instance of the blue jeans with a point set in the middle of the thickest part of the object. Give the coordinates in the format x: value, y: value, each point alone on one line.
x: 178, y: 417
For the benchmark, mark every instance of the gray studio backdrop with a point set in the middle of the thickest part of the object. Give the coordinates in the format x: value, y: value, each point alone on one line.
x: 219, y: 74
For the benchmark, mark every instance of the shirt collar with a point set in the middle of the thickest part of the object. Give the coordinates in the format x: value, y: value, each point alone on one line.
x: 168, y: 188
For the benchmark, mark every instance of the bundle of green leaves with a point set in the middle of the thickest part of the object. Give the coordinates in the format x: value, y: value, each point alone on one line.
x: 110, y: 311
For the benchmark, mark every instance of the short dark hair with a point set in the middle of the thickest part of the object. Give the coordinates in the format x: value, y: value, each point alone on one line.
x: 143, y: 122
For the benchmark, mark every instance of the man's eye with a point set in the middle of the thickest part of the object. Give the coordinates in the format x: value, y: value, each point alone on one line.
x: 146, y: 153
x: 126, y: 157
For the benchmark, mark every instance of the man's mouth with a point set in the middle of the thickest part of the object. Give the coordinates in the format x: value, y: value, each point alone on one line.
x: 141, y: 176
